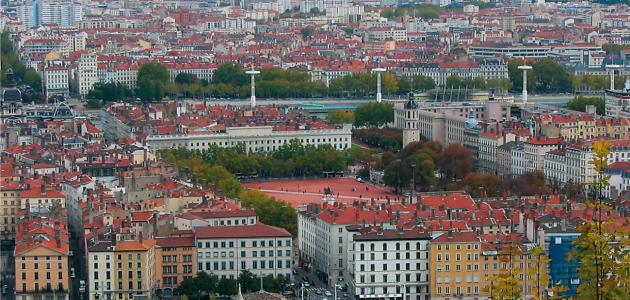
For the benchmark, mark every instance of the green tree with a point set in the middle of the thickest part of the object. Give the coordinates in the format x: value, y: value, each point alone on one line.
x: 249, y: 283
x: 579, y: 103
x: 227, y: 286
x: 374, y: 114
x: 423, y: 83
x: 340, y: 117
x: 198, y: 287
x: 397, y: 175
x: 32, y: 78
x: 307, y: 32
x: 186, y: 78
x: 270, y: 211
x: 152, y: 78
x: 516, y: 76
x: 551, y: 77
x: 230, y: 73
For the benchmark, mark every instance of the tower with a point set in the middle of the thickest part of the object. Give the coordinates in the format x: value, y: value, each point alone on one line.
x: 611, y: 69
x: 253, y: 73
x: 411, y: 131
x: 378, y: 70
x: 525, y: 68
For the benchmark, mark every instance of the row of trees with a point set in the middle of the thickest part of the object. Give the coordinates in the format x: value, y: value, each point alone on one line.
x: 204, y: 285
x: 579, y: 103
x: 451, y: 168
x: 546, y: 76
x: 384, y: 138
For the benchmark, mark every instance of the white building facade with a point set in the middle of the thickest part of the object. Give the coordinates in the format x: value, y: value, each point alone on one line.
x: 226, y: 251
x: 392, y: 264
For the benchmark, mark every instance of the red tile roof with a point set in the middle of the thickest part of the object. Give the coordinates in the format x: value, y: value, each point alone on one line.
x: 457, y: 237
x: 172, y: 242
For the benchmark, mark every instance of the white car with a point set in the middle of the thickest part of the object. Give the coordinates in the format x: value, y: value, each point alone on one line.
x: 328, y: 293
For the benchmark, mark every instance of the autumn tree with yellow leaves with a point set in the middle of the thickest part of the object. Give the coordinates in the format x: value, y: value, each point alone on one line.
x: 538, y: 272
x: 506, y: 285
x: 602, y: 246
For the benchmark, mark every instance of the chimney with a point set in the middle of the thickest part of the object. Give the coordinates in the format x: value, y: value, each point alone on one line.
x: 155, y: 223
x: 43, y: 188
x: 140, y: 237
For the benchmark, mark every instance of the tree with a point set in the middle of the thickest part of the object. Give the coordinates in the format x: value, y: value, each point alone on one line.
x: 186, y: 78
x: 389, y: 83
x: 530, y: 184
x: 307, y: 32
x: 397, y: 175
x: 423, y: 83
x: 340, y: 117
x: 551, y: 77
x: 230, y: 73
x: 516, y: 76
x: 32, y: 78
x: 454, y: 162
x: 483, y: 184
x: 270, y: 211
x: 249, y: 282
x: 197, y: 287
x: 374, y: 114
x: 579, y: 103
x: 506, y: 285
x: 538, y: 272
x: 152, y: 78
x: 556, y: 291
x: 601, y: 247
x: 227, y: 286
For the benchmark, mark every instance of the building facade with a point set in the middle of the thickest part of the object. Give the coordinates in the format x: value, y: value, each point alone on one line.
x: 391, y: 264
x: 450, y: 254
x: 226, y: 251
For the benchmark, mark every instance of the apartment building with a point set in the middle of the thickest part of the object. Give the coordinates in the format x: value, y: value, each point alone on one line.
x: 122, y: 269
x: 56, y: 81
x: 226, y: 251
x: 487, y: 149
x: 572, y: 163
x: 187, y: 221
x: 455, y: 259
x: 175, y: 260
x: 87, y: 72
x: 41, y: 197
x: 9, y: 206
x: 391, y: 264
x: 531, y: 156
x: 41, y: 260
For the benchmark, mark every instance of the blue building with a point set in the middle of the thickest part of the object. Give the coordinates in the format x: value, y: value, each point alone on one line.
x: 558, y: 243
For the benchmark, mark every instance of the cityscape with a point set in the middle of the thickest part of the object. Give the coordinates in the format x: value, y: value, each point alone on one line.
x: 314, y: 149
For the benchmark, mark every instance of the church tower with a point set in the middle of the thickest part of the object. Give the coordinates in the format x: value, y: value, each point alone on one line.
x: 411, y: 131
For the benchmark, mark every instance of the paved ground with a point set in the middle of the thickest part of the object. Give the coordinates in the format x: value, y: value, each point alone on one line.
x: 302, y: 191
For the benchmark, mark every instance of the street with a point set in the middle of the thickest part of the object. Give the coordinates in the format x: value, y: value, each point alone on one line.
x: 7, y: 270
x: 77, y: 261
x: 316, y: 289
